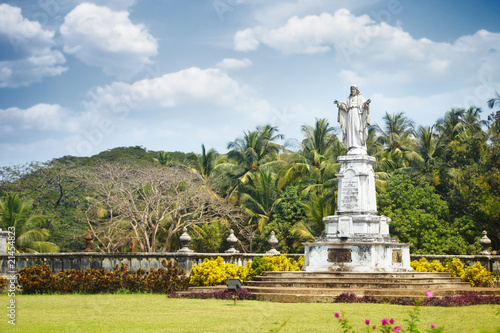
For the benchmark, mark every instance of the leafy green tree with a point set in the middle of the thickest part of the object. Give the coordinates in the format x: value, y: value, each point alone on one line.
x: 288, y: 213
x: 420, y: 217
x: 29, y: 232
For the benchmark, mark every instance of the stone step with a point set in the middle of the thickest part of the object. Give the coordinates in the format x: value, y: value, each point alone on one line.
x: 359, y: 285
x: 357, y: 280
x: 358, y: 292
x: 325, y: 286
x: 313, y: 295
x: 356, y: 274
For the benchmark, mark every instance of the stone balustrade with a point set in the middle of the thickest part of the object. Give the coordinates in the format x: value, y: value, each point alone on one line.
x: 85, y: 260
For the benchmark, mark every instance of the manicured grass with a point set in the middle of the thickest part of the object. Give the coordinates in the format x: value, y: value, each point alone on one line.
x: 147, y: 312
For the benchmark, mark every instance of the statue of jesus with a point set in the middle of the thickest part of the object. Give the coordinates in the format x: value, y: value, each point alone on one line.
x: 354, y: 119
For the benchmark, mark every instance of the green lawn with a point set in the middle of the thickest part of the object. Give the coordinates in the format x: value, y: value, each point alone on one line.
x: 145, y: 312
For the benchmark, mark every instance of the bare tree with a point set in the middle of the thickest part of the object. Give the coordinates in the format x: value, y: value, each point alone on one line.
x: 157, y: 201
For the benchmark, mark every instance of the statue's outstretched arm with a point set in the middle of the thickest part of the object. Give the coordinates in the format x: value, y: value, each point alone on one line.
x: 340, y: 105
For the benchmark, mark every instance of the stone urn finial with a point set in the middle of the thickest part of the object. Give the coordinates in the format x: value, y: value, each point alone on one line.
x: 273, y: 241
x: 88, y: 241
x: 232, y: 240
x: 485, y: 243
x: 185, y: 239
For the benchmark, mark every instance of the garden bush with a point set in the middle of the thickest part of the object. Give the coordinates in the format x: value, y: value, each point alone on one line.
x: 213, y: 272
x: 242, y: 294
x: 476, y: 274
x: 41, y: 280
x: 3, y: 284
x: 423, y: 265
x: 274, y: 263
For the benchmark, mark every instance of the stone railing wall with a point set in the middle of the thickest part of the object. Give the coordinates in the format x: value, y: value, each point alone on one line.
x: 85, y: 260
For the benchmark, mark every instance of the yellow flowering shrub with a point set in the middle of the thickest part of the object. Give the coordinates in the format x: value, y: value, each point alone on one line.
x: 213, y: 272
x: 455, y: 267
x: 274, y: 263
x: 477, y: 275
x: 423, y: 265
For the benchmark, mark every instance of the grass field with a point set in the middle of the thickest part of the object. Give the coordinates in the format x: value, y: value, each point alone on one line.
x: 157, y: 313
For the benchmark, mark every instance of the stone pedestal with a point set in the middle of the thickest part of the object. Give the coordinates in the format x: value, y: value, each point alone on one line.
x: 357, y: 239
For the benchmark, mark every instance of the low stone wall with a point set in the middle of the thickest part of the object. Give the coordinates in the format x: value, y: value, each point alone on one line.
x: 85, y: 260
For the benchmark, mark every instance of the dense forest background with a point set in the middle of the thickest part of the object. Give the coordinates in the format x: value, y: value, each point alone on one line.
x: 440, y: 185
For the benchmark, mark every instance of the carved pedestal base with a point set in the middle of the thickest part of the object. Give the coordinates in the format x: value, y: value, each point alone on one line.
x: 357, y: 256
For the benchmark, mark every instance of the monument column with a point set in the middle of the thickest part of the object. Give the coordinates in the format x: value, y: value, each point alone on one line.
x: 356, y: 238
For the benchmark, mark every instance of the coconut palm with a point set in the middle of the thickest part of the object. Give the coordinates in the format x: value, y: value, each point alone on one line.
x: 316, y: 161
x: 256, y: 150
x: 494, y: 118
x: 428, y: 142
x: 205, y: 163
x: 472, y: 124
x: 29, y: 232
x: 161, y: 158
x: 397, y: 131
x: 451, y: 125
x: 398, y: 138
x: 260, y: 198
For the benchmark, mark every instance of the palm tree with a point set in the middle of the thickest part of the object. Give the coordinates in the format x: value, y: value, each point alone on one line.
x: 205, y: 163
x: 397, y: 132
x: 451, y: 125
x: 256, y: 150
x: 494, y: 118
x: 29, y: 233
x: 260, y: 197
x: 428, y: 142
x: 398, y: 138
x: 161, y: 158
x: 317, y: 160
x: 472, y: 124
x: 318, y: 139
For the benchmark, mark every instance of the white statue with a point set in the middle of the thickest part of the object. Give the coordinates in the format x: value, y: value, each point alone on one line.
x: 354, y: 119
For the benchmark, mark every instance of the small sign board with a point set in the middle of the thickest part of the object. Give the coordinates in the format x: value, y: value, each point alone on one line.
x: 233, y: 284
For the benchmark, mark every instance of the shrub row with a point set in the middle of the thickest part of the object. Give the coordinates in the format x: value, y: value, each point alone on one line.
x: 40, y: 280
x: 469, y: 298
x: 214, y: 272
x: 476, y: 274
x: 242, y: 294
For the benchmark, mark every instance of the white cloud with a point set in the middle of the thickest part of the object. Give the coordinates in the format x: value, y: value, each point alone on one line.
x: 31, y: 49
x: 104, y: 38
x: 277, y: 12
x: 230, y: 63
x: 378, y: 52
x: 246, y: 40
x: 40, y: 117
x: 211, y: 86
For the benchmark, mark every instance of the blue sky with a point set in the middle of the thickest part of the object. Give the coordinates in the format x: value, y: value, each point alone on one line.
x: 77, y: 78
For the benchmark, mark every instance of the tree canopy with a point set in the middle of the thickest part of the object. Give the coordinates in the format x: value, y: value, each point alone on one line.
x: 439, y: 184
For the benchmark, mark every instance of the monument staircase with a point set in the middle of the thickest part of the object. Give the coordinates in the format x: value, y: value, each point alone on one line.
x: 290, y: 287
